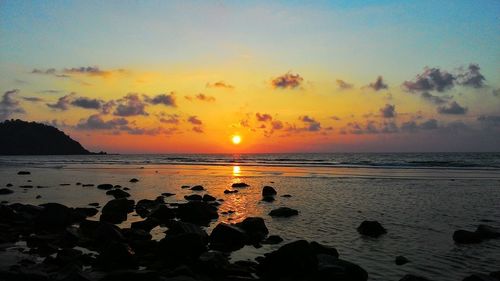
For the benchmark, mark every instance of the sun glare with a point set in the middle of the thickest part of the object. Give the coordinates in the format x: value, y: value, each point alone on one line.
x: 236, y: 139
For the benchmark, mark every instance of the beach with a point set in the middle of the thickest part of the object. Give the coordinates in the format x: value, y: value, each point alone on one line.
x: 419, y: 206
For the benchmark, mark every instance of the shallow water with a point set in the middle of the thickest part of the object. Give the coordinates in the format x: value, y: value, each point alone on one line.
x: 420, y: 208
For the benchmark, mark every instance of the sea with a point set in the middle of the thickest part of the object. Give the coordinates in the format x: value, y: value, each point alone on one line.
x: 420, y: 198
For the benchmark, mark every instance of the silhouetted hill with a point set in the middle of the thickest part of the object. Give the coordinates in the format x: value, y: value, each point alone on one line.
x: 19, y: 137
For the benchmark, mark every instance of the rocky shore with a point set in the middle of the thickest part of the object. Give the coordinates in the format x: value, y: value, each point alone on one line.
x: 87, y: 244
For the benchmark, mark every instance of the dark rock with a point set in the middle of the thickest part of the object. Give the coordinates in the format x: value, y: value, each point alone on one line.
x: 64, y: 184
x: 479, y: 277
x: 54, y: 215
x: 400, y: 260
x: 181, y: 247
x: 179, y: 227
x: 283, y: 212
x: 104, y: 186
x: 255, y: 228
x: 273, y: 239
x: 82, y: 213
x: 227, y: 238
x: 118, y: 193
x: 371, y: 228
x: 208, y: 198
x: 239, y: 184
x: 116, y: 255
x: 95, y: 204
x: 466, y: 237
x: 146, y: 225
x: 144, y: 207
x: 101, y: 233
x: 24, y: 173
x: 87, y: 185
x: 323, y: 249
x: 286, y: 195
x: 332, y: 268
x: 134, y: 234
x: 26, y: 186
x: 197, y: 212
x: 133, y: 275
x: 133, y: 180
x: 185, y: 186
x: 38, y: 197
x: 167, y: 194
x: 268, y: 198
x: 230, y: 191
x: 162, y: 213
x: 410, y: 277
x: 197, y: 188
x: 9, y: 185
x: 488, y: 232
x: 268, y: 191
x: 495, y: 274
x: 4, y: 191
x: 116, y: 210
x: 193, y: 197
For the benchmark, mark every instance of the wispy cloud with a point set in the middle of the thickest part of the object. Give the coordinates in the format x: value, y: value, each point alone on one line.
x: 219, y: 84
x: 9, y: 105
x: 343, y: 85
x: 452, y: 108
x: 378, y: 85
x: 287, y: 81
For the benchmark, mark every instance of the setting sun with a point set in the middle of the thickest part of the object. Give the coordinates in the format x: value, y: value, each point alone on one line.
x: 236, y: 139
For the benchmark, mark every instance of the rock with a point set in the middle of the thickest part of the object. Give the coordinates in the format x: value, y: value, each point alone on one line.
x: 146, y: 225
x: 294, y: 260
x: 185, y: 186
x: 255, y: 228
x: 332, y: 268
x: 26, y: 186
x: 466, y: 237
x: 410, y: 277
x: 167, y: 194
x: 323, y: 249
x: 283, y: 212
x: 197, y: 188
x: 268, y: 191
x: 136, y: 234
x: 116, y: 255
x: 208, y: 198
x: 82, y: 213
x: 400, y: 260
x: 118, y: 193
x: 95, y: 204
x: 479, y: 277
x: 38, y: 197
x: 230, y: 191
x: 87, y: 185
x: 116, y: 210
x: 268, y: 199
x: 181, y: 247
x: 239, y: 184
x: 273, y: 239
x: 144, y: 207
x: 5, y: 191
x: 495, y: 274
x: 162, y: 213
x: 133, y: 275
x: 197, y: 212
x: 133, y: 180
x: 101, y: 233
x: 54, y: 215
x: 227, y: 238
x: 286, y: 195
x: 193, y: 197
x: 9, y: 185
x: 24, y: 173
x: 488, y: 232
x: 64, y: 184
x: 104, y: 186
x: 371, y: 228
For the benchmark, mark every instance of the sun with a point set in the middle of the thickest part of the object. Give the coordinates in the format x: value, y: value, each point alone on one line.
x: 236, y: 139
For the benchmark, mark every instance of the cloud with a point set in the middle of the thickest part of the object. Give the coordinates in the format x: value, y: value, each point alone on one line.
x: 201, y: 97
x: 33, y: 99
x: 287, y: 80
x: 412, y: 126
x: 198, y: 130
x: 130, y: 105
x: 87, y: 103
x: 343, y: 85
x: 452, y: 108
x: 219, y: 84
x: 432, y: 79
x: 169, y: 118
x: 49, y: 71
x: 312, y: 125
x: 107, y: 107
x: 88, y: 70
x: 194, y: 120
x: 378, y: 84
x: 336, y: 118
x: 435, y: 99
x: 165, y: 99
x: 471, y: 77
x: 489, y: 120
x: 388, y: 111
x: 62, y: 103
x: 95, y: 122
x: 263, y: 117
x: 9, y: 105
x: 277, y: 125
x: 49, y: 91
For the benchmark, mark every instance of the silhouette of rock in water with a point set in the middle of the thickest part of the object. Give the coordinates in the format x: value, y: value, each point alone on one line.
x: 19, y: 137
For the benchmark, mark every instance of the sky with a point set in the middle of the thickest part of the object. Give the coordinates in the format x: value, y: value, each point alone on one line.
x: 286, y: 76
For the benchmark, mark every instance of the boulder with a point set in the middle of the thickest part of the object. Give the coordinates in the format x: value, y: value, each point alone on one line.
x: 162, y: 213
x: 144, y: 207
x: 268, y: 198
x: 208, y: 198
x: 466, y: 237
x: 104, y: 186
x: 227, y: 238
x: 133, y: 180
x: 197, y: 188
x: 332, y: 268
x: 116, y: 255
x: 240, y: 184
x: 255, y: 228
x: 146, y: 225
x: 100, y: 233
x: 54, y: 215
x: 81, y: 213
x: 5, y: 191
x: 179, y: 227
x: 273, y: 239
x: 181, y: 247
x: 400, y: 260
x: 118, y: 193
x: 230, y: 191
x: 197, y: 212
x: 9, y: 185
x: 323, y: 249
x: 371, y: 228
x: 268, y: 191
x: 167, y: 194
x: 136, y: 234
x: 283, y: 212
x: 116, y: 210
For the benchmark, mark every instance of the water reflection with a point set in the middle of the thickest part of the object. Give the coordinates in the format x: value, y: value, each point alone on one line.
x: 236, y: 171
